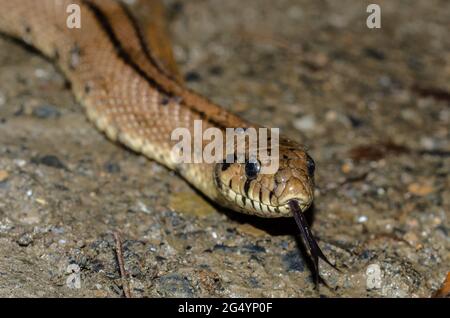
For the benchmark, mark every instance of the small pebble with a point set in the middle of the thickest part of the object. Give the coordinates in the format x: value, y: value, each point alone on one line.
x: 373, y: 277
x: 427, y: 143
x: 346, y: 168
x: 25, y: 240
x: 41, y: 201
x: 420, y: 189
x: 58, y: 230
x: 306, y: 123
x: 45, y: 111
x: 192, y: 77
x: 411, y: 238
x: 20, y: 162
x: 3, y: 175
x: 41, y: 73
x: 50, y: 161
x: 385, y: 81
x: 142, y: 207
x: 437, y: 221
x: 362, y: 219
x: 112, y: 167
x: 411, y: 116
x: 320, y: 59
x: 331, y: 115
x: 73, y: 281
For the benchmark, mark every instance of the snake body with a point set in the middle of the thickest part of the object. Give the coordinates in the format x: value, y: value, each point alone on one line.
x: 131, y: 97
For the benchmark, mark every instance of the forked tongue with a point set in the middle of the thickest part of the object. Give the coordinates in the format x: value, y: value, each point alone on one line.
x: 308, y: 239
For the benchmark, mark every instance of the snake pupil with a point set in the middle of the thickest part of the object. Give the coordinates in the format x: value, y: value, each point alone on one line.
x: 311, y: 165
x: 252, y: 169
x: 225, y: 166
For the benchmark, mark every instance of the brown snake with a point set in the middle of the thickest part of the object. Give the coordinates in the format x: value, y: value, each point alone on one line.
x: 130, y: 97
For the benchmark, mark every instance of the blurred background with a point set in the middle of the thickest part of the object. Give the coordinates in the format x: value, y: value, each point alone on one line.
x: 372, y: 105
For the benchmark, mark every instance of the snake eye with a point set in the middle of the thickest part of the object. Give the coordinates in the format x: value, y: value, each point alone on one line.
x: 252, y: 169
x: 311, y: 165
x: 225, y: 166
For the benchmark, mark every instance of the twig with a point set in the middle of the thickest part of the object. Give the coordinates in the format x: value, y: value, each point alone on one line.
x: 120, y: 260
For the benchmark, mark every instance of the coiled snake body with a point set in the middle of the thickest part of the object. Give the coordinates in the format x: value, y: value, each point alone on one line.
x: 130, y: 97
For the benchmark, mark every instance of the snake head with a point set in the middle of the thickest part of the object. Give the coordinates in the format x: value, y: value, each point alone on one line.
x: 288, y: 191
x: 245, y: 188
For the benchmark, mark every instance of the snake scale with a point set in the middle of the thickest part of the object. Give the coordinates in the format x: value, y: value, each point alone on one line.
x: 128, y: 94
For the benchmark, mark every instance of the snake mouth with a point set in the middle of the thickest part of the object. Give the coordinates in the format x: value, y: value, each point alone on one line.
x: 308, y: 239
x: 261, y: 209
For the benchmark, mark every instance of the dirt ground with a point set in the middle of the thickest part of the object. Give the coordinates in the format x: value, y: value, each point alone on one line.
x: 372, y: 106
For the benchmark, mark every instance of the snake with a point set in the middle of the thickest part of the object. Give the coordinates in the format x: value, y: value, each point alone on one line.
x: 130, y: 96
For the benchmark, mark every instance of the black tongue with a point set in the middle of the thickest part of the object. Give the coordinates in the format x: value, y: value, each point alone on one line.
x: 308, y: 239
